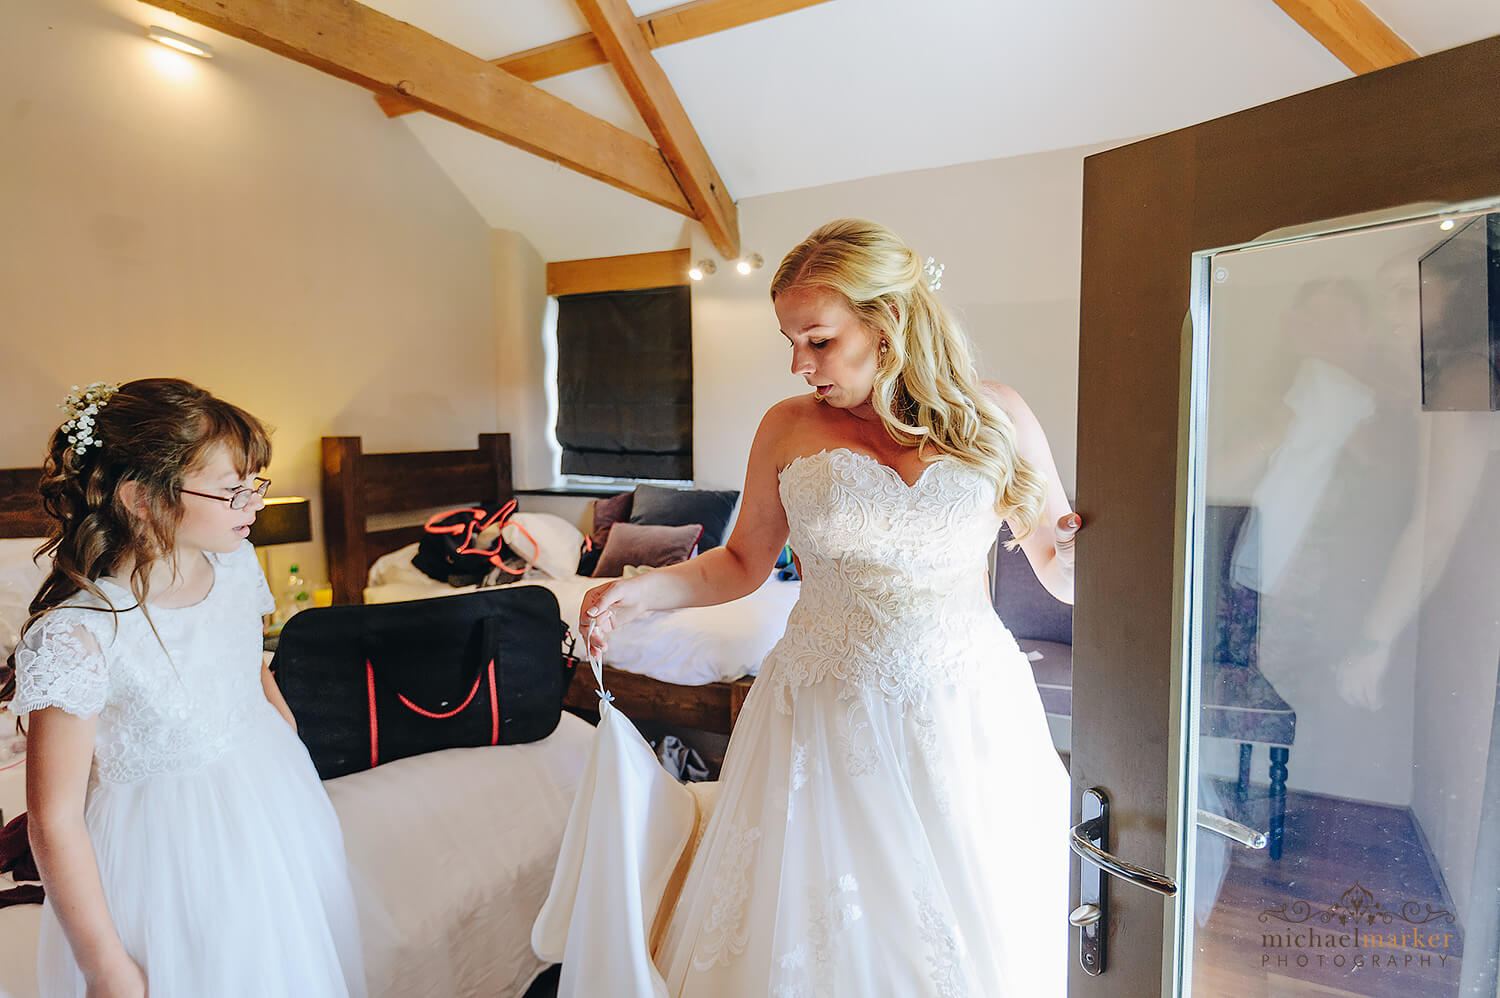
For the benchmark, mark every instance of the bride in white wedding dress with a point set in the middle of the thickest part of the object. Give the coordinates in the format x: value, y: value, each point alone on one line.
x: 892, y: 817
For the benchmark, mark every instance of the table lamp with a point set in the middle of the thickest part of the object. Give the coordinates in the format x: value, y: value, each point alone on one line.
x: 283, y: 520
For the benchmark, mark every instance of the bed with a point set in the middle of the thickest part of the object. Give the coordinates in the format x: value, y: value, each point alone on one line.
x: 451, y: 853
x: 690, y: 668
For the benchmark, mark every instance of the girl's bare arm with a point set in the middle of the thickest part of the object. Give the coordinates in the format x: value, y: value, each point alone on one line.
x: 60, y: 751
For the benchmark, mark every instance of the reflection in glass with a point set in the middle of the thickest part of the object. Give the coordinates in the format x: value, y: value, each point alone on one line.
x: 1349, y: 632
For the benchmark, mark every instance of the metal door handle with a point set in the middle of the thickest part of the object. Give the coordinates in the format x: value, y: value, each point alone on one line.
x: 1243, y: 834
x: 1140, y: 876
x: 1085, y: 914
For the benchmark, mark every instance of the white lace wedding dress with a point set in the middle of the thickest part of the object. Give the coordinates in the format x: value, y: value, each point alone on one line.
x: 891, y: 819
x: 219, y: 852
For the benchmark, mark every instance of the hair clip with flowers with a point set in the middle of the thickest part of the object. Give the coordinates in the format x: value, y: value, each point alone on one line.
x: 82, y: 405
x: 933, y: 271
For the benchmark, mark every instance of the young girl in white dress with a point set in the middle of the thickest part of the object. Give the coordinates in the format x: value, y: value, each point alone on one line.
x: 892, y: 817
x: 185, y: 843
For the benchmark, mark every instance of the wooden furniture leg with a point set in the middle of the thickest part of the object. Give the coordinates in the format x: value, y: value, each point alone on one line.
x: 1279, y: 756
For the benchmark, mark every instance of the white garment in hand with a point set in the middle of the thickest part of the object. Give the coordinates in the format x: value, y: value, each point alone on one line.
x: 892, y: 816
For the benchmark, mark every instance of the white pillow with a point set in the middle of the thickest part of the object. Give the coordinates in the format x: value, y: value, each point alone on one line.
x: 20, y: 578
x: 558, y: 539
x: 396, y: 568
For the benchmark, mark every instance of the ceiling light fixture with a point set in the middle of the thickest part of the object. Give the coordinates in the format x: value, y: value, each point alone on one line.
x: 749, y: 263
x: 1447, y: 225
x: 181, y: 43
x: 697, y: 270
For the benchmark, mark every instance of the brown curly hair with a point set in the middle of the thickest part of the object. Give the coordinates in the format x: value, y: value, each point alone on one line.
x: 153, y: 432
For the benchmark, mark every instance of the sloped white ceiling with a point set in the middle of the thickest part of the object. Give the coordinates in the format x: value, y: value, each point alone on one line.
x: 859, y: 88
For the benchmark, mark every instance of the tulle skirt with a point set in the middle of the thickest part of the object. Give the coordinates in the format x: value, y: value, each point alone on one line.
x: 227, y: 880
x: 862, y: 848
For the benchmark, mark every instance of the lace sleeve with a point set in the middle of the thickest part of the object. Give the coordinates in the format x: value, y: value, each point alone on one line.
x: 250, y: 565
x: 59, y: 664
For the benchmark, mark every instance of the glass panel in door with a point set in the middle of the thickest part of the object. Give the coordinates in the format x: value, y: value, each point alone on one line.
x: 1346, y: 615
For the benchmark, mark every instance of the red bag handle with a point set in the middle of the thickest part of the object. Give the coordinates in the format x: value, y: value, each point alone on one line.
x: 473, y: 525
x: 375, y: 720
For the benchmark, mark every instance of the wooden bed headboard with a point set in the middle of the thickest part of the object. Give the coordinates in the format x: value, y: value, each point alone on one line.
x: 357, y: 486
x: 21, y: 513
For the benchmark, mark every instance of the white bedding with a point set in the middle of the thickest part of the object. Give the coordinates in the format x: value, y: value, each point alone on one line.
x: 690, y: 647
x: 451, y: 853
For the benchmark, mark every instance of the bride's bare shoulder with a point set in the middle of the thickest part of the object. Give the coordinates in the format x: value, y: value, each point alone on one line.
x: 791, y: 427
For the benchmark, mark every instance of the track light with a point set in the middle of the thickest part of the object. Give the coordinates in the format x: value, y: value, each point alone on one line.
x: 749, y: 263
x: 181, y: 43
x: 702, y: 267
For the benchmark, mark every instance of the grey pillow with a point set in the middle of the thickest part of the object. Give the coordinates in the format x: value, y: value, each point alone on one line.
x: 641, y: 544
x: 674, y: 507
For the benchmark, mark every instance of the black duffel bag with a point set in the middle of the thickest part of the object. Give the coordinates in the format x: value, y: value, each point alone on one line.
x: 369, y: 684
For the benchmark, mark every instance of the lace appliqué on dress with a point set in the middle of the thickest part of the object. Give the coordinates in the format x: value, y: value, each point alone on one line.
x: 945, y: 947
x: 926, y: 737
x: 170, y: 698
x: 724, y: 933
x: 859, y: 759
x: 806, y: 970
x: 60, y: 664
x: 806, y: 765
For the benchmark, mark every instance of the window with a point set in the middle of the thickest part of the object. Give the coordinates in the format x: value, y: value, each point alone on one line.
x: 625, y: 383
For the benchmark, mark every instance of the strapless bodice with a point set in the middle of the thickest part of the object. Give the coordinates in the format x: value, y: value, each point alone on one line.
x: 893, y: 576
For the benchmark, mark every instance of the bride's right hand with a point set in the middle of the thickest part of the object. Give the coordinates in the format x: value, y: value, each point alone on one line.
x: 603, y: 609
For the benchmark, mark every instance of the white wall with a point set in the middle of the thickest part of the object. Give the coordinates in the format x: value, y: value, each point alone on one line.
x: 250, y: 224
x: 522, y: 371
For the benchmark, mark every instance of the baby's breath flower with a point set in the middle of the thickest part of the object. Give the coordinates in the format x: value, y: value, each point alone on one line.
x: 82, y: 405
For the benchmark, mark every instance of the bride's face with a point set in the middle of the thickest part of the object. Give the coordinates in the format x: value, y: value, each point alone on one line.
x: 832, y: 349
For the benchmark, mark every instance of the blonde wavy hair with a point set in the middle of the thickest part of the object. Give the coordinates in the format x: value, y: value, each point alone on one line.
x: 926, y: 391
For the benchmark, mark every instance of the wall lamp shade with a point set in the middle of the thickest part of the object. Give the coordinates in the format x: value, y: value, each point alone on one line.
x: 284, y: 520
x: 181, y: 43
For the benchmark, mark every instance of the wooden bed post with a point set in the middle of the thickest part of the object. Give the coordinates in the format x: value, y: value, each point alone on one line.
x: 496, y: 446
x: 344, y: 518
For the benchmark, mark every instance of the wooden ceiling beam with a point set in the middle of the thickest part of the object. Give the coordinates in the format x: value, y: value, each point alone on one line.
x: 363, y: 46
x: 665, y: 27
x: 614, y: 25
x: 1351, y: 31
x: 633, y: 271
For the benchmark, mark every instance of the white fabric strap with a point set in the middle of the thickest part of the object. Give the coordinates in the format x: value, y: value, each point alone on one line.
x: 596, y: 662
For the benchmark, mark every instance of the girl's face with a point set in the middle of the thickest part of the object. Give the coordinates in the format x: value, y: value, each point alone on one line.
x: 210, y: 524
x: 831, y: 347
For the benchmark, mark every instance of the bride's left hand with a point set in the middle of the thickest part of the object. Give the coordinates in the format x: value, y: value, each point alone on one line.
x: 1063, y: 537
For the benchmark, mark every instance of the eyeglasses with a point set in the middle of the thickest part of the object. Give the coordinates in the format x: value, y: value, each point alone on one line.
x: 239, y: 498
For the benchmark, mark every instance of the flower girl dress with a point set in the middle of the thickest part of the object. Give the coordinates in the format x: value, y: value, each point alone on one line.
x: 220, y: 854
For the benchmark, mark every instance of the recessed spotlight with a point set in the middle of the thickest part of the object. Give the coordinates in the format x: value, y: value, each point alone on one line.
x: 181, y: 43
x: 697, y: 270
x: 749, y: 263
x: 1447, y: 225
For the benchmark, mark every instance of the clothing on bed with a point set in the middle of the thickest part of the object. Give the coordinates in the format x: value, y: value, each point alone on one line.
x: 891, y: 816
x: 220, y: 855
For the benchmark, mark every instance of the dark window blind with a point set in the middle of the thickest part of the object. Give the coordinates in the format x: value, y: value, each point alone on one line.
x: 625, y: 383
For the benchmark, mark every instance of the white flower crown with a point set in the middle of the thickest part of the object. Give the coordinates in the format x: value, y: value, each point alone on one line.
x: 933, y: 271
x: 82, y: 405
